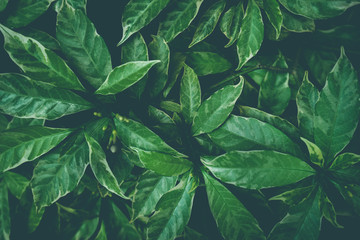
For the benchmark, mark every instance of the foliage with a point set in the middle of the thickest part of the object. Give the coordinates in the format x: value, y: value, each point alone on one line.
x: 206, y: 120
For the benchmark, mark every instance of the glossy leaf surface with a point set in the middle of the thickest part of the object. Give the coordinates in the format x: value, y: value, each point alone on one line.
x: 258, y: 169
x: 206, y: 63
x: 230, y: 23
x: 20, y: 145
x: 273, y: 12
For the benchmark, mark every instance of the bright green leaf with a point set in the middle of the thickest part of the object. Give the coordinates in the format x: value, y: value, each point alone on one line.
x: 295, y: 23
x: 208, y: 22
x: 38, y: 62
x: 230, y: 23
x: 252, y: 134
x: 59, y: 172
x: 234, y: 221
x: 346, y: 168
x: 315, y: 153
x: 251, y: 34
x: 338, y: 109
x: 16, y: 183
x: 172, y: 212
x: 190, y: 94
x: 82, y: 45
x: 216, y: 109
x: 206, y: 63
x: 294, y: 196
x: 149, y: 189
x: 273, y: 12
x: 306, y: 100
x: 26, y: 11
x: 5, y: 223
x: 275, y: 94
x: 20, y: 145
x: 44, y: 38
x: 24, y: 122
x: 21, y: 96
x: 258, y: 169
x: 100, y: 167
x: 344, y: 161
x: 178, y: 18
x: 163, y: 164
x: 124, y: 76
x: 139, y: 13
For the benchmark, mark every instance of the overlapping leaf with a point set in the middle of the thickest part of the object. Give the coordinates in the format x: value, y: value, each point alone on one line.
x: 206, y: 63
x: 272, y: 10
x: 230, y: 23
x: 5, y: 221
x: 16, y: 183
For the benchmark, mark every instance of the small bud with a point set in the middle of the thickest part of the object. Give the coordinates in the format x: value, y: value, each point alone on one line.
x: 113, y: 149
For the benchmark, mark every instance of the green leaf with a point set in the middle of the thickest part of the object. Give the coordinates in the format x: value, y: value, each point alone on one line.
x: 251, y: 34
x: 38, y: 62
x: 3, y: 122
x: 139, y: 13
x: 148, y: 191
x: 124, y: 76
x: 328, y: 210
x: 24, y: 122
x: 23, y: 97
x: 206, y: 63
x: 258, y: 169
x: 295, y: 23
x: 44, y: 38
x: 87, y: 229
x: 177, y: 61
x: 282, y: 124
x: 275, y: 94
x: 134, y: 134
x: 82, y: 45
x: 190, y: 94
x: 230, y: 23
x: 101, y: 235
x: 101, y: 168
x: 315, y: 153
x: 338, y: 109
x: 216, y: 109
x: 294, y: 196
x: 77, y: 4
x: 346, y: 168
x: 306, y: 100
x: 3, y: 5
x: 273, y: 12
x: 20, y: 145
x: 302, y: 222
x: 26, y: 11
x: 35, y: 218
x: 351, y: 193
x: 345, y: 160
x: 178, y: 18
x: 59, y: 172
x: 191, y: 234
x: 318, y: 9
x: 16, y: 183
x: 172, y: 212
x: 252, y: 134
x: 234, y: 221
x: 135, y: 49
x: 208, y: 22
x: 164, y: 164
x: 159, y: 74
x: 5, y: 221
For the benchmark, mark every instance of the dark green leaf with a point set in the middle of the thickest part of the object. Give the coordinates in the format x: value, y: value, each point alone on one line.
x: 351, y: 193
x: 178, y: 18
x: 294, y: 196
x: 44, y: 38
x: 251, y: 34
x: 159, y: 50
x: 139, y: 13
x: 295, y: 23
x: 3, y: 122
x: 16, y: 183
x: 35, y: 218
x: 26, y: 11
x: 190, y: 94
x: 59, y: 172
x: 22, y: 97
x: 100, y: 167
x: 318, y: 9
x: 302, y: 222
x: 206, y: 63
x: 232, y: 218
x: 230, y: 23
x: 86, y: 230
x: 124, y: 76
x: 24, y: 122
x: 208, y: 22
x: 273, y: 12
x: 177, y: 61
x: 38, y: 62
x: 5, y: 221
x: 338, y: 109
x: 164, y: 164
x: 274, y: 94
x: 344, y: 161
x: 149, y: 189
x: 216, y: 109
x: 258, y: 169
x: 26, y: 144
x: 252, y: 134
x: 134, y: 134
x: 191, y: 234
x: 172, y: 212
x: 346, y: 168
x: 306, y: 100
x: 3, y: 4
x: 83, y: 46
x: 328, y: 210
